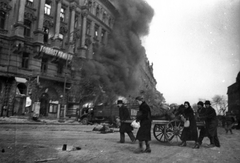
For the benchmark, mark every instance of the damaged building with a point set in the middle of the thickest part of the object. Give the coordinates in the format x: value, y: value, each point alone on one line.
x: 39, y: 39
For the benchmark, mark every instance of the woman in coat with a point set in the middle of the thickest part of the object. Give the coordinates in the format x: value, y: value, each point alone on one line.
x: 144, y: 132
x: 189, y: 133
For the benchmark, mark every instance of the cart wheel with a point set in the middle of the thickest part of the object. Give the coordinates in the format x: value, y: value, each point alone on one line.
x: 84, y: 121
x: 158, y: 132
x: 173, y: 130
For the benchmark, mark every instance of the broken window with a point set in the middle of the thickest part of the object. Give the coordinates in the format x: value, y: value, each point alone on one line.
x: 25, y: 60
x: 44, y: 65
x: 62, y: 14
x: 2, y: 19
x: 47, y: 8
x: 27, y: 27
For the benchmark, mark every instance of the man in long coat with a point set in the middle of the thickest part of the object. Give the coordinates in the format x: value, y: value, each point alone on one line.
x: 211, y: 124
x: 144, y: 132
x: 125, y: 126
x: 203, y: 131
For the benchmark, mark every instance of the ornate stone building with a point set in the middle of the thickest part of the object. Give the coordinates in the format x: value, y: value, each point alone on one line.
x: 38, y: 40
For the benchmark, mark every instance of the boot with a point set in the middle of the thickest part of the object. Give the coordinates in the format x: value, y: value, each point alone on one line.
x: 140, y: 148
x: 196, y: 146
x: 132, y: 137
x: 122, y: 138
x: 212, y: 143
x: 183, y: 144
x: 148, y: 149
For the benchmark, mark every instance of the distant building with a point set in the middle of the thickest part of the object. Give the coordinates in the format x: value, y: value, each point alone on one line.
x: 234, y: 97
x: 38, y: 39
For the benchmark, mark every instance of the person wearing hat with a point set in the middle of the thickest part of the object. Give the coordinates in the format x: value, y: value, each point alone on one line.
x: 203, y: 132
x: 144, y: 132
x: 125, y: 127
x: 229, y: 121
x: 211, y: 124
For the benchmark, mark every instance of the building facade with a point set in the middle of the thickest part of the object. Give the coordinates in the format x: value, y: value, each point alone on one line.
x: 234, y: 97
x: 38, y: 40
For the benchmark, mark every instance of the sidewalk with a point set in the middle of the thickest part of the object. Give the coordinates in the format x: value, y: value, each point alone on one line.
x: 42, y: 121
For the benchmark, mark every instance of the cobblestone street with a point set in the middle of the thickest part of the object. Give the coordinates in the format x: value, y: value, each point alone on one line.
x: 35, y: 143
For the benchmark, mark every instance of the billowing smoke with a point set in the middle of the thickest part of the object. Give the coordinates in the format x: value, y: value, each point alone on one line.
x: 115, y: 64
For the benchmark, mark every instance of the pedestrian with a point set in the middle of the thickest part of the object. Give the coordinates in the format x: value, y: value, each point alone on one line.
x: 211, y: 125
x: 189, y: 132
x: 203, y: 132
x: 124, y: 115
x: 144, y: 132
x: 229, y: 121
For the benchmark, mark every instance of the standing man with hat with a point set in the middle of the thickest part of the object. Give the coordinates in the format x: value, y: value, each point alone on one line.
x: 203, y: 131
x: 211, y: 125
x: 125, y: 127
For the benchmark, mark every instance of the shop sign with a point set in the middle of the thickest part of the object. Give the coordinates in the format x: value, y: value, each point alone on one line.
x: 55, y: 53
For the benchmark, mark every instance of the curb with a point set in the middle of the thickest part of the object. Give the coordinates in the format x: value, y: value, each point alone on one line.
x: 29, y: 123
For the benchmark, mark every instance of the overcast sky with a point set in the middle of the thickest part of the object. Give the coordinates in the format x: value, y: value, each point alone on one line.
x: 195, y: 47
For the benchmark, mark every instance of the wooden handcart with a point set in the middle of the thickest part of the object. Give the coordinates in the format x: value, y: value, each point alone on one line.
x: 169, y: 130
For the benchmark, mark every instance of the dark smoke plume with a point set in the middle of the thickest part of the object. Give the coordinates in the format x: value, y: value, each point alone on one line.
x: 115, y: 64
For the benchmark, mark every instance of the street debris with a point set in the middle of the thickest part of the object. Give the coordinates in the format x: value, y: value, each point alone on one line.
x: 103, y: 129
x: 64, y: 148
x: 46, y: 160
x: 75, y: 149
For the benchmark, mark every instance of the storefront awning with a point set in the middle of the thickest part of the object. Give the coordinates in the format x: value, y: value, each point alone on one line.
x: 20, y: 80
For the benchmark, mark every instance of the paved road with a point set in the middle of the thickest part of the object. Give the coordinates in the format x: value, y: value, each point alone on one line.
x: 28, y: 143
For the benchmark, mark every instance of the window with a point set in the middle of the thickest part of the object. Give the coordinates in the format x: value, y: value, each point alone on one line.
x: 2, y: 19
x: 47, y: 8
x: 46, y: 32
x: 110, y: 21
x: 103, y: 35
x: 89, y: 5
x: 53, y: 108
x: 27, y: 28
x: 62, y: 14
x: 44, y: 65
x: 25, y: 59
x: 88, y: 27
x: 104, y: 16
x: 76, y: 21
x: 29, y: 3
x: 94, y: 48
x: 59, y: 68
x: 96, y: 31
x: 61, y: 36
x: 97, y: 11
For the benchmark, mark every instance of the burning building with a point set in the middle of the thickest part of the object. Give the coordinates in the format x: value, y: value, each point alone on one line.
x: 44, y: 43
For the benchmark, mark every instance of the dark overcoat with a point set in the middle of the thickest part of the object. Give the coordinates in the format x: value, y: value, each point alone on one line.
x: 124, y: 115
x: 189, y: 133
x: 201, y: 112
x: 211, y: 121
x: 211, y: 125
x: 144, y: 132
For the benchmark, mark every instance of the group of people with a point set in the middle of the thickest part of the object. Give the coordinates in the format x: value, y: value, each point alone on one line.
x: 205, y: 113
